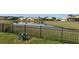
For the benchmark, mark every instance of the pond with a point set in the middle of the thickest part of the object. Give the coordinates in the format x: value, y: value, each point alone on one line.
x: 36, y: 25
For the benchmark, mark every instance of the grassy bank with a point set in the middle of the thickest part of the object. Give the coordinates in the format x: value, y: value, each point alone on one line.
x: 6, y: 21
x: 7, y: 38
x: 72, y: 25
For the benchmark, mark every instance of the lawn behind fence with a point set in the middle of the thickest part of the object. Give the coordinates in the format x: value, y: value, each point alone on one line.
x: 72, y: 25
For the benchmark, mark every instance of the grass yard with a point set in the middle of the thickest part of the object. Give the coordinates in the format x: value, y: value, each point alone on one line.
x: 8, y: 38
x: 6, y: 21
x: 72, y: 25
x: 35, y: 40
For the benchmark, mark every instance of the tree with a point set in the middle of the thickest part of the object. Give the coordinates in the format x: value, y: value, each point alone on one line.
x: 13, y: 18
x: 53, y: 18
x: 59, y: 19
x: 70, y: 15
x: 45, y: 18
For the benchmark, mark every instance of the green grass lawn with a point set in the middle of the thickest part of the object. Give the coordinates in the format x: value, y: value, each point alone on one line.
x: 72, y: 25
x: 9, y: 38
x: 6, y: 21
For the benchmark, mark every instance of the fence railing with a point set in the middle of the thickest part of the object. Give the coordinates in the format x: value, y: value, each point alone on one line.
x: 51, y: 33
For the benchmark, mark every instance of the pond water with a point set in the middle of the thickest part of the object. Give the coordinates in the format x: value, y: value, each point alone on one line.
x: 36, y: 25
x: 29, y: 24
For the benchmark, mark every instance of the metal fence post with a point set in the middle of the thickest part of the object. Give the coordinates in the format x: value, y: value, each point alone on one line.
x: 12, y: 28
x: 24, y: 28
x: 40, y: 31
x: 77, y: 39
x: 2, y: 27
x: 62, y: 34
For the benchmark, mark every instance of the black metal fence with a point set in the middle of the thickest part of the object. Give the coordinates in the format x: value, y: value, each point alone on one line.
x: 50, y: 33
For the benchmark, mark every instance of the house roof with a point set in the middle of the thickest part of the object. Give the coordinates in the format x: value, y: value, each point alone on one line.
x: 73, y: 17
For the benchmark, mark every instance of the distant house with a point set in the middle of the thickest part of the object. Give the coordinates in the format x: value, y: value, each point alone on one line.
x: 26, y: 19
x: 30, y: 19
x: 10, y: 17
x: 73, y: 18
x: 63, y: 20
x: 3, y: 17
x: 21, y: 19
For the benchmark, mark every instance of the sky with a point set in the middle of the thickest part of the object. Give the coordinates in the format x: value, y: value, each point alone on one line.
x: 37, y: 15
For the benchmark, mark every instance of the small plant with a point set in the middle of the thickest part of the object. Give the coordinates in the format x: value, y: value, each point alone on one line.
x: 25, y: 36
